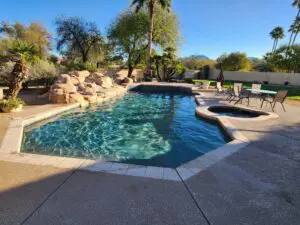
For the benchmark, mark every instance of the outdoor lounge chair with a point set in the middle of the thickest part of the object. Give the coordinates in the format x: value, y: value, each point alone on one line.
x: 237, y: 94
x: 279, y: 97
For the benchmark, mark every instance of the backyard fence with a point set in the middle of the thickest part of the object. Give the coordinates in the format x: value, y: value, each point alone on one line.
x: 262, y: 77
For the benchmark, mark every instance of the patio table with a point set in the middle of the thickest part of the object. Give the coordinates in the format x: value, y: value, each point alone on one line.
x: 261, y: 91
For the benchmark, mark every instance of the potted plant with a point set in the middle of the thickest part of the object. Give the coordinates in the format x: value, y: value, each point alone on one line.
x: 11, y: 105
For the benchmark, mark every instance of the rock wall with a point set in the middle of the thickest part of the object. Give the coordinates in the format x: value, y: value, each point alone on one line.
x: 85, y: 88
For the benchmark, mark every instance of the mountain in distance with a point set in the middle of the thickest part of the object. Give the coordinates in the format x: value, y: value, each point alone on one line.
x: 253, y: 58
x: 197, y: 57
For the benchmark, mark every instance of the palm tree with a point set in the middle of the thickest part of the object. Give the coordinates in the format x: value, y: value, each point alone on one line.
x: 296, y: 29
x: 276, y: 34
x: 296, y: 3
x: 150, y: 4
x: 21, y: 53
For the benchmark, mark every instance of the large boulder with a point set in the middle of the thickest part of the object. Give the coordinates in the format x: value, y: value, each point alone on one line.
x: 119, y: 78
x: 92, y: 99
x: 127, y: 81
x: 58, y: 96
x: 67, y: 87
x: 105, y: 82
x: 74, y: 80
x: 80, y: 75
x: 64, y: 79
x: 82, y: 87
x: 77, y: 98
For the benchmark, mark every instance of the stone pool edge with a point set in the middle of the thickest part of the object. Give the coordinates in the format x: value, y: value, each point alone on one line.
x: 11, y: 146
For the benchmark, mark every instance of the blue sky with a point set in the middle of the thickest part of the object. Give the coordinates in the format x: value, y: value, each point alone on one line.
x: 210, y: 27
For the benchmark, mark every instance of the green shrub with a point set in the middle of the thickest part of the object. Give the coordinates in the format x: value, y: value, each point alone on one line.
x: 5, y: 71
x: 11, y: 103
x: 72, y: 65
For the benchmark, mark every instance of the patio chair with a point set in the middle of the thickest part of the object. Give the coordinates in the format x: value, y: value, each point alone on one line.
x: 220, y: 90
x: 253, y: 94
x: 231, y: 94
x: 256, y: 86
x: 278, y: 98
x: 237, y: 94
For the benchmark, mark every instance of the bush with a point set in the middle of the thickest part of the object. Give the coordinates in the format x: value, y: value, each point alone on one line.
x: 42, y: 73
x: 5, y: 71
x: 11, y: 103
x: 71, y: 65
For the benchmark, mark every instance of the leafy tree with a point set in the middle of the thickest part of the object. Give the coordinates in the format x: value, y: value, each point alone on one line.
x: 284, y: 59
x: 260, y: 65
x: 150, y: 4
x: 194, y: 63
x: 77, y: 36
x: 166, y: 30
x: 22, y: 54
x: 235, y: 61
x: 276, y: 34
x: 129, y: 34
x: 167, y: 66
x: 35, y: 34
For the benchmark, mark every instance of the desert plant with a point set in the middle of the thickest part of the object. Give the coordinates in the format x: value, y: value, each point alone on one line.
x: 10, y: 104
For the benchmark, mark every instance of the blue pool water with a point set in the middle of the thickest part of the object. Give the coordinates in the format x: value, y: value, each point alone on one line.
x: 145, y: 129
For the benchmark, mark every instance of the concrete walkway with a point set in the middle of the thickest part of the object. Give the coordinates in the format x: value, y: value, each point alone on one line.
x: 257, y: 185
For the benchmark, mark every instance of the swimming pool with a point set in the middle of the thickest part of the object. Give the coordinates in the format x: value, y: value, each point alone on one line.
x: 157, y: 129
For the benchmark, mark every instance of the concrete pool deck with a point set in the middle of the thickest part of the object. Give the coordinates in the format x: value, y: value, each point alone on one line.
x: 256, y: 185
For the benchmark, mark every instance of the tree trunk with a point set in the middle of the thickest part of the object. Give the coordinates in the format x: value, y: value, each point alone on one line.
x: 291, y: 38
x: 84, y: 57
x: 157, y: 70
x: 150, y: 37
x: 295, y: 36
x: 274, y: 45
x: 276, y: 42
x: 18, y: 76
x: 130, y: 70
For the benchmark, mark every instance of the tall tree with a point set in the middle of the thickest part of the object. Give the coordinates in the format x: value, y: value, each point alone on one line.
x: 78, y: 36
x: 150, y: 4
x: 284, y: 59
x: 129, y: 35
x: 276, y: 34
x: 295, y: 3
x: 235, y: 61
x: 35, y: 34
x: 296, y: 29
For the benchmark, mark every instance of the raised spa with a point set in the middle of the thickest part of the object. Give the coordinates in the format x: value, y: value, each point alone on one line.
x: 235, y: 112
x: 157, y: 129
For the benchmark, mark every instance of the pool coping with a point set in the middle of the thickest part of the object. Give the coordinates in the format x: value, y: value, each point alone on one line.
x: 11, y: 147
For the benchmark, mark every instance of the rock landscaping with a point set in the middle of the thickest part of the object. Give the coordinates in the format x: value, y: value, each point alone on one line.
x: 86, y: 88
